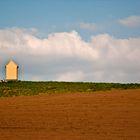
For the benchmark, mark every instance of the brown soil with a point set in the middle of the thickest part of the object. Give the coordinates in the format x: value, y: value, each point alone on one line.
x: 112, y: 115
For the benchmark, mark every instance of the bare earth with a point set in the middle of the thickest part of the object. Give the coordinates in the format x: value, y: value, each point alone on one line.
x: 112, y: 115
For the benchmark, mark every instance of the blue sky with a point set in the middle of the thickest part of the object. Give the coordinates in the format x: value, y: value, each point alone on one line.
x: 71, y: 40
x: 63, y: 15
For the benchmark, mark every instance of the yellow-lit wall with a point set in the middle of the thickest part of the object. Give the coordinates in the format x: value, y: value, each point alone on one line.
x: 11, y: 71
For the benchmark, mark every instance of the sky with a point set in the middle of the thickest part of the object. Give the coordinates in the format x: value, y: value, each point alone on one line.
x: 71, y: 40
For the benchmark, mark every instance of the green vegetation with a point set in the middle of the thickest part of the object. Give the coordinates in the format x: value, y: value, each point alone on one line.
x: 33, y: 88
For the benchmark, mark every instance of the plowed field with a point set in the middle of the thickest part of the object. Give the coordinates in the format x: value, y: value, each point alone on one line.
x: 110, y: 115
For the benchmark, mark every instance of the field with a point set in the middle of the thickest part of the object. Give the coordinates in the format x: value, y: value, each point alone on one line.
x: 100, y: 115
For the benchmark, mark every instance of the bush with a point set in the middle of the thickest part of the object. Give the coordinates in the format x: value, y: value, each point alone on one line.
x: 33, y: 88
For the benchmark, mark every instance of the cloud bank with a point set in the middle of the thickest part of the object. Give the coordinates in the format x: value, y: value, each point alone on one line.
x: 65, y: 56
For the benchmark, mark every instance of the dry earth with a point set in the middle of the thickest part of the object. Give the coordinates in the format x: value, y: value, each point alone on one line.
x: 112, y: 115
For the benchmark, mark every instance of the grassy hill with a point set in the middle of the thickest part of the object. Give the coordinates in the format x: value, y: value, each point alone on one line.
x: 33, y: 88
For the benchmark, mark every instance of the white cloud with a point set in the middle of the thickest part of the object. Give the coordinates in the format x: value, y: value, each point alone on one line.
x: 88, y: 26
x: 71, y: 76
x: 132, y: 21
x: 68, y: 44
x: 66, y: 57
